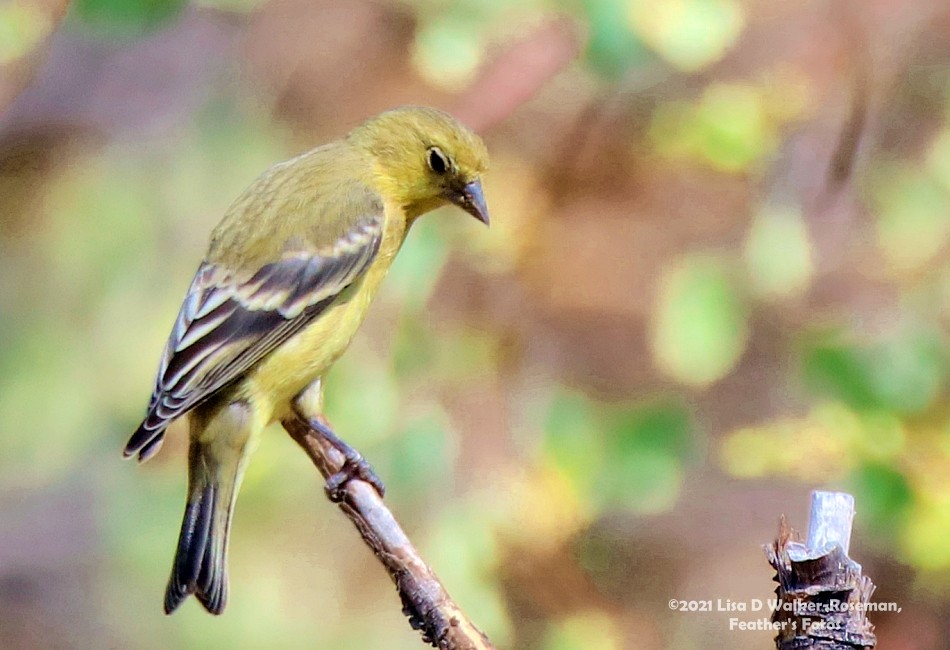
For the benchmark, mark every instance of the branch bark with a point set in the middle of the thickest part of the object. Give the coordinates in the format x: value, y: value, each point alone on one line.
x: 425, y: 601
x: 822, y: 593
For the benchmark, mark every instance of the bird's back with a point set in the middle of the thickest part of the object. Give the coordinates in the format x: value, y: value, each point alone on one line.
x: 310, y: 201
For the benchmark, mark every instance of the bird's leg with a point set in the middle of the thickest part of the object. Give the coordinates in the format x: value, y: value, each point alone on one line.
x: 308, y: 407
x: 354, y: 465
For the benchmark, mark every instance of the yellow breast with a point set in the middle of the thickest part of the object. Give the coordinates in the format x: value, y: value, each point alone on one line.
x: 283, y: 374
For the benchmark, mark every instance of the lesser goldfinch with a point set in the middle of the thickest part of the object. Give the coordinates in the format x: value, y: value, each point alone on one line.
x: 287, y: 280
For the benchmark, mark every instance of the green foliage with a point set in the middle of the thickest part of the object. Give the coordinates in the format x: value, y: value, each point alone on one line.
x: 663, y: 427
x: 108, y: 195
x: 448, y: 49
x: 690, y: 34
x: 416, y: 270
x: 237, y: 6
x: 923, y: 537
x: 904, y: 374
x: 629, y: 458
x: 32, y: 370
x: 127, y: 16
x: 778, y: 252
x: 701, y: 321
x: 452, y: 38
x: 571, y: 436
x: 884, y: 494
x: 938, y: 158
x: 646, y: 449
x: 420, y: 455
x: 589, y: 630
x: 612, y: 46
x: 730, y: 128
x: 464, y: 553
x: 22, y: 27
x: 370, y: 377
x: 911, y: 204
x: 839, y: 371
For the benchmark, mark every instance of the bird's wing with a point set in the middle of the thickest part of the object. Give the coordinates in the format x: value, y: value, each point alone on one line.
x: 228, y: 323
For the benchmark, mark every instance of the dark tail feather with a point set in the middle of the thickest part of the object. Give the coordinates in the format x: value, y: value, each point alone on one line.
x: 216, y: 458
x: 200, y: 561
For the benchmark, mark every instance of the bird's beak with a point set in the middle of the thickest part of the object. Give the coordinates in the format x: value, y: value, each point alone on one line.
x: 471, y: 199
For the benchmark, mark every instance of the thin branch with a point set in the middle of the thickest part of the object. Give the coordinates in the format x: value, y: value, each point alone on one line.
x: 424, y: 600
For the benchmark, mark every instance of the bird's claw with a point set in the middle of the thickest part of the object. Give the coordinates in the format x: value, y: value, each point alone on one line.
x: 355, y: 467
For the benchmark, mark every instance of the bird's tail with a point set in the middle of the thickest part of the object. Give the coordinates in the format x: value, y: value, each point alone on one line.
x: 200, y: 568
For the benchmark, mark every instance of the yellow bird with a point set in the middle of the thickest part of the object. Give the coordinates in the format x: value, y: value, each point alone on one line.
x: 287, y: 281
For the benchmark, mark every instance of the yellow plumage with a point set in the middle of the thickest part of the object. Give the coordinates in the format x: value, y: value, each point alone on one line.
x: 289, y: 276
x: 278, y: 379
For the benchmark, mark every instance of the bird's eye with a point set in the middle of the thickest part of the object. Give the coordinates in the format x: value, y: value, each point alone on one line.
x: 437, y: 161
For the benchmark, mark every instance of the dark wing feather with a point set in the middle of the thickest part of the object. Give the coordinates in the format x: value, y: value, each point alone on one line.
x: 226, y: 324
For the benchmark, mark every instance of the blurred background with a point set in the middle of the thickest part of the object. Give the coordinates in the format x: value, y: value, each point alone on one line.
x: 717, y: 278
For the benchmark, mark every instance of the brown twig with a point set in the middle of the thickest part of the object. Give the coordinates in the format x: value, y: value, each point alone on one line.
x: 424, y: 600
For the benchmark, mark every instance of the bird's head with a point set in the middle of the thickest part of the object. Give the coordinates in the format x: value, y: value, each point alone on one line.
x: 425, y: 159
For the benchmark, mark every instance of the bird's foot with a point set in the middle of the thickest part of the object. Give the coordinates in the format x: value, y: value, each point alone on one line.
x: 354, y: 465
